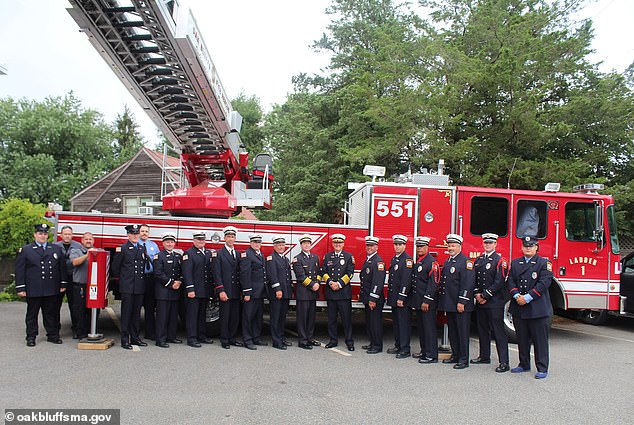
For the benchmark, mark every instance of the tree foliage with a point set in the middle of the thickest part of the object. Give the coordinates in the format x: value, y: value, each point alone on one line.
x: 18, y: 218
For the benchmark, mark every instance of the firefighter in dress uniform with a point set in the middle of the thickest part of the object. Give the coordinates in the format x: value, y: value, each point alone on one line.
x: 491, y: 270
x: 196, y: 266
x: 227, y: 287
x: 307, y: 272
x: 253, y: 280
x: 129, y: 266
x: 456, y: 300
x: 528, y: 283
x: 371, y: 294
x: 40, y: 276
x: 278, y: 270
x: 338, y: 269
x: 167, y: 281
x: 398, y: 288
x: 424, y: 300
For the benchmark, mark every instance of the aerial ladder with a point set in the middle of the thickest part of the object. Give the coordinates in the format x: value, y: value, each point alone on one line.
x: 155, y: 48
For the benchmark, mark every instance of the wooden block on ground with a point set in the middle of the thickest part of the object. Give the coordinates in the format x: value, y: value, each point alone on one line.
x: 102, y: 344
x: 442, y: 355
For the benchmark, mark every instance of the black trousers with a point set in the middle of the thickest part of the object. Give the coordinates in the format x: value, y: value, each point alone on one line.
x: 491, y: 320
x: 50, y: 316
x: 343, y: 309
x: 149, y: 307
x: 252, y: 316
x: 278, y: 309
x: 374, y: 325
x: 130, y: 317
x: 74, y: 319
x: 196, y: 310
x: 535, y: 330
x: 458, y: 325
x: 427, y: 333
x: 166, y: 320
x: 79, y: 310
x: 229, y: 320
x: 401, y: 318
x: 306, y: 311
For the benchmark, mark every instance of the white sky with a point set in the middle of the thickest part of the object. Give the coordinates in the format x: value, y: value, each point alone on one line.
x: 256, y: 45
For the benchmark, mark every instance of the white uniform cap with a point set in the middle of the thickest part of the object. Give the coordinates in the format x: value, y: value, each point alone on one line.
x: 399, y: 239
x: 452, y: 237
x: 230, y: 230
x: 168, y: 235
x: 255, y: 237
x: 371, y: 240
x: 305, y: 238
x: 199, y: 235
x: 422, y: 240
x: 489, y: 237
x: 338, y: 237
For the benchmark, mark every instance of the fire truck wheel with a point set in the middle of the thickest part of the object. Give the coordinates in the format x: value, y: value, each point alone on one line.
x: 213, y: 318
x: 594, y: 317
x: 508, y: 323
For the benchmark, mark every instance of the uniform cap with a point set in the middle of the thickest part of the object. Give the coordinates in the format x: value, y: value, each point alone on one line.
x: 399, y: 239
x: 42, y: 228
x: 338, y: 237
x: 199, y: 235
x: 133, y: 228
x: 454, y: 238
x: 489, y: 237
x: 230, y: 230
x: 168, y: 235
x: 279, y: 239
x: 306, y: 238
x: 255, y: 237
x: 529, y: 241
x: 371, y: 240
x: 422, y: 240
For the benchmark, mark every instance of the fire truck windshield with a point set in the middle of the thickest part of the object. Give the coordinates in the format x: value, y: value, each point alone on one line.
x: 614, y: 239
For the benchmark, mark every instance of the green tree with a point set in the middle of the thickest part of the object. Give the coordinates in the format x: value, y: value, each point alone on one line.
x: 18, y: 218
x: 127, y: 138
x: 51, y: 149
x: 251, y: 133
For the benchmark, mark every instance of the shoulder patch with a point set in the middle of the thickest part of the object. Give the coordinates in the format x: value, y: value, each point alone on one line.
x: 118, y: 249
x: 269, y: 258
x: 156, y: 256
x: 469, y: 265
x: 549, y: 266
x: 185, y: 257
x: 243, y: 255
x: 380, y: 266
x: 214, y: 254
x: 352, y: 259
x: 409, y: 263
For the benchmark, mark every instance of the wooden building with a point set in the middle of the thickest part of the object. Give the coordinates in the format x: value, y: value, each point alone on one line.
x: 128, y: 188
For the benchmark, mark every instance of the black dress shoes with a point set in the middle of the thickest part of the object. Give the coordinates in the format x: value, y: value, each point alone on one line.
x: 461, y: 365
x: 139, y: 343
x: 162, y: 344
x: 305, y: 346
x: 426, y: 360
x: 480, y: 360
x: 350, y: 347
x: 236, y: 343
x: 126, y: 345
x: 206, y: 341
x: 366, y: 347
x: 450, y: 360
x: 331, y: 344
x: 279, y: 347
x: 30, y: 343
x: 263, y: 344
x: 373, y: 351
x: 225, y: 345
x: 194, y: 344
x: 418, y: 355
x: 250, y: 347
x: 402, y: 355
x: 314, y: 342
x: 175, y: 341
x: 392, y: 350
x: 503, y: 367
x: 54, y: 340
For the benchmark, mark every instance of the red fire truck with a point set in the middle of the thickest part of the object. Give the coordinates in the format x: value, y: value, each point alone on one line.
x: 576, y: 231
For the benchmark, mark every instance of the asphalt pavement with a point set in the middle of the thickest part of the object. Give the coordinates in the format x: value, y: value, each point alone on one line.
x: 590, y: 380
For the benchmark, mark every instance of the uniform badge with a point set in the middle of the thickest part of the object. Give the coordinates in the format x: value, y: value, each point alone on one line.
x: 488, y: 266
x: 55, y: 255
x: 534, y: 275
x: 381, y: 266
x: 243, y: 255
x: 118, y: 249
x: 452, y: 269
x: 469, y: 265
x: 396, y: 267
x: 214, y: 254
x: 342, y: 262
x: 185, y: 257
x: 409, y: 264
x: 549, y: 266
x: 420, y: 268
x: 367, y: 271
x: 156, y: 256
x: 269, y: 258
x: 131, y: 247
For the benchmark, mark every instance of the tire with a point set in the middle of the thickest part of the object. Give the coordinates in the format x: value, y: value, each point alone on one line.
x: 508, y: 323
x: 594, y: 317
x: 212, y: 318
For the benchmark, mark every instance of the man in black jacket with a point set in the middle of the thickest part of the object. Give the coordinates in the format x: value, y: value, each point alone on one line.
x: 371, y: 294
x: 253, y: 281
x: 167, y: 279
x: 278, y: 270
x: 227, y: 287
x: 307, y: 275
